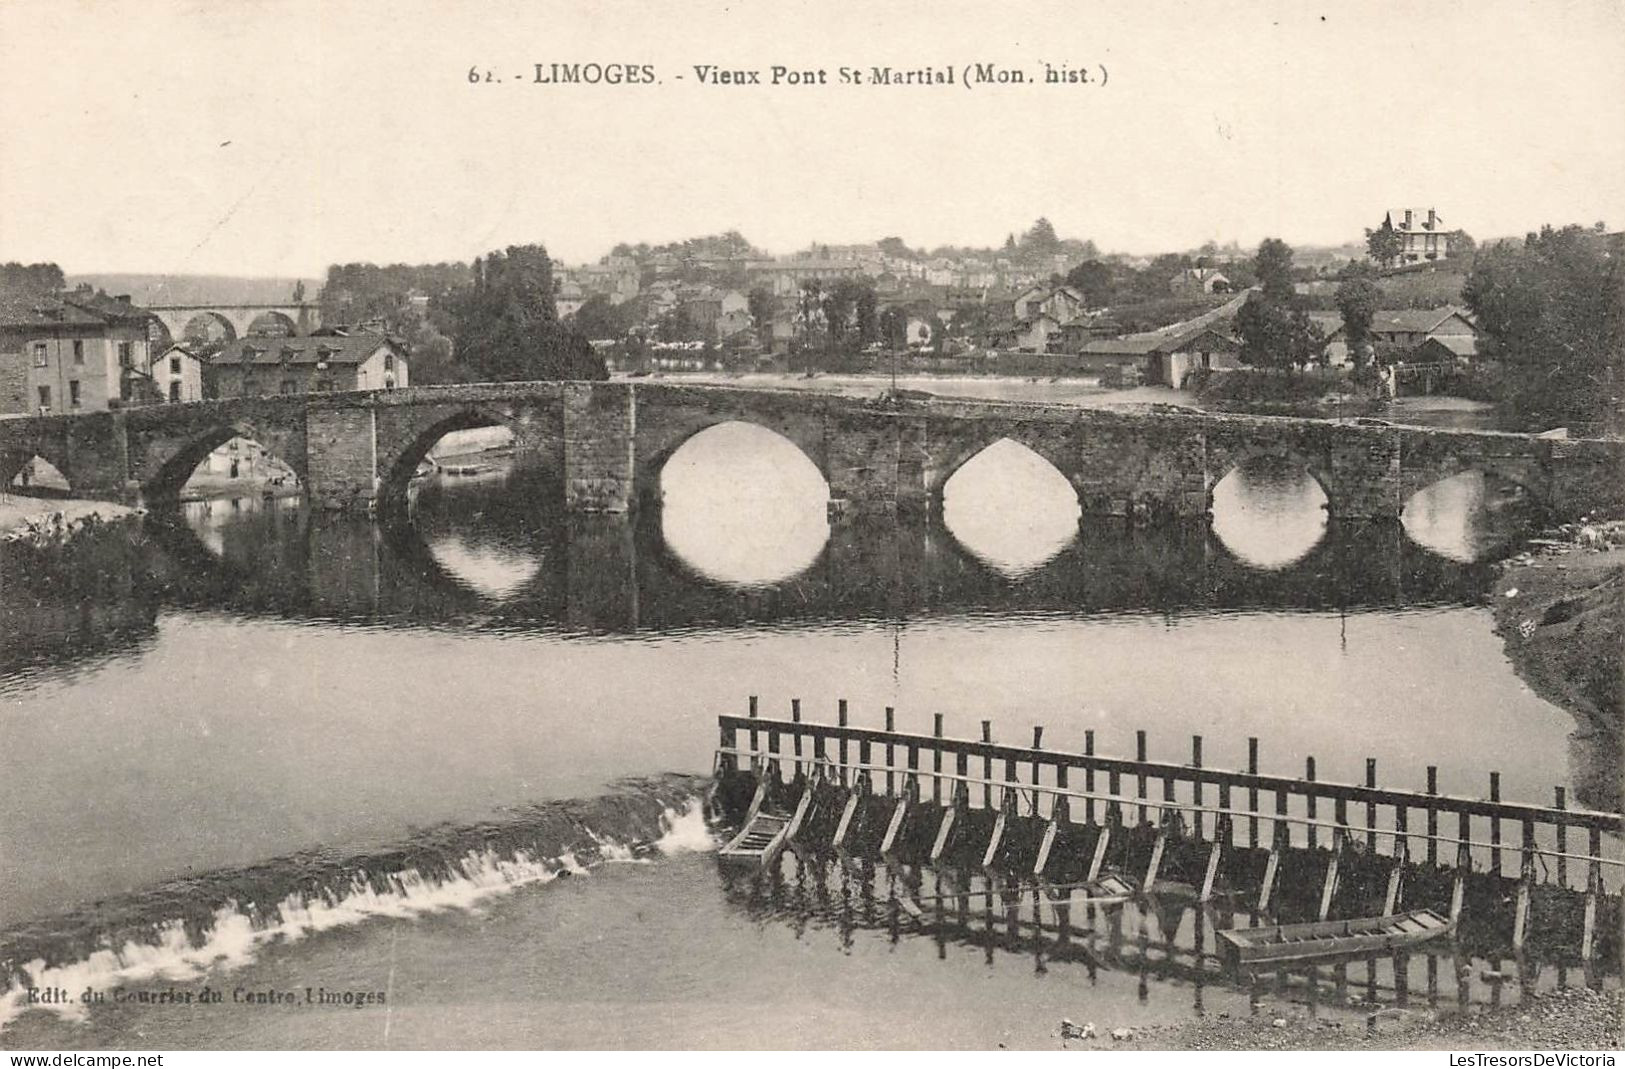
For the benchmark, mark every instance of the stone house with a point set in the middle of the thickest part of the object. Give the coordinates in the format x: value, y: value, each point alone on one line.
x: 1194, y: 280
x: 1421, y: 235
x: 79, y: 351
x: 253, y: 367
x: 177, y: 373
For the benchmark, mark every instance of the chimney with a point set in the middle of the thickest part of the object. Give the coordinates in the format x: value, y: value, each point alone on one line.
x: 1407, y: 218
x: 1433, y: 217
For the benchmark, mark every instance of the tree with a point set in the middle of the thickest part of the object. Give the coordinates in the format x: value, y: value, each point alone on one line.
x: 761, y: 305
x: 1383, y: 244
x: 1275, y: 329
x: 31, y: 280
x: 1459, y: 245
x: 895, y: 247
x: 1358, y: 299
x: 1042, y: 238
x: 1553, y: 313
x: 1095, y: 281
x: 506, y: 327
x: 599, y: 317
x: 299, y: 292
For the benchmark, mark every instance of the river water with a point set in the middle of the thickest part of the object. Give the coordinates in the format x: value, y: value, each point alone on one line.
x: 247, y: 681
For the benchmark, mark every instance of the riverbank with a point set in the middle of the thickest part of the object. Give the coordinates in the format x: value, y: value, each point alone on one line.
x: 1572, y: 1019
x: 53, y: 518
x: 1560, y: 608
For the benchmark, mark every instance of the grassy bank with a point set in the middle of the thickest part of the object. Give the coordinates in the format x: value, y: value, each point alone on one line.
x: 1561, y: 611
x: 44, y: 518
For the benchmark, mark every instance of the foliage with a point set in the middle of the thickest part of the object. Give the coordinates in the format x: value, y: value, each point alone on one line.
x: 1384, y: 244
x: 31, y: 280
x: 1275, y: 329
x: 1553, y: 312
x: 761, y: 304
x: 1459, y: 245
x: 599, y: 317
x: 506, y: 327
x: 410, y: 301
x: 1358, y: 299
x: 1096, y: 281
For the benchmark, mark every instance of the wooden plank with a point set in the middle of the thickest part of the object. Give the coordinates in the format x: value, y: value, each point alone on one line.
x: 1270, y: 868
x: 1212, y: 872
x: 993, y: 843
x: 1155, y: 864
x: 1329, y: 888
x: 942, y: 834
x: 800, y: 814
x: 894, y: 827
x: 1044, y: 847
x: 845, y: 823
x: 1100, y: 852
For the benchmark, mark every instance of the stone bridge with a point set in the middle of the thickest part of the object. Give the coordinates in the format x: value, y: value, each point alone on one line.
x: 604, y: 444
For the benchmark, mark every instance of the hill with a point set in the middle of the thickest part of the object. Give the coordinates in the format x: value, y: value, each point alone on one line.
x: 146, y: 290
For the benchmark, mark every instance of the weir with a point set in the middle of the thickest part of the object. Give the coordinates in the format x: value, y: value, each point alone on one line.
x: 1054, y: 831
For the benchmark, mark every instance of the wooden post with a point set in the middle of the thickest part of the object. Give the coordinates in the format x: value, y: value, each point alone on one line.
x: 841, y: 751
x: 1309, y: 774
x: 1196, y: 786
x: 1495, y: 825
x: 1464, y: 862
x: 1089, y: 776
x: 987, y: 767
x: 891, y: 751
x: 1252, y: 792
x: 795, y: 718
x: 1588, y: 939
x: 755, y: 742
x: 1155, y: 864
x: 936, y: 760
x: 1562, y: 840
x: 1221, y: 834
x: 1101, y: 840
x: 1371, y: 807
x: 1281, y: 842
x: 1526, y: 879
x: 1433, y: 817
x: 1330, y: 886
x: 773, y: 770
x: 1038, y: 744
x: 912, y: 787
x: 1402, y: 852
x: 728, y: 739
x: 1139, y: 755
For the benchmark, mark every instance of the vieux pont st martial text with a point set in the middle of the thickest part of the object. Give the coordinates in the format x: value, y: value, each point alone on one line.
x: 713, y: 74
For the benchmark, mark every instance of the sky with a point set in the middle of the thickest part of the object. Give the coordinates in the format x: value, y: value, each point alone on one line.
x: 273, y: 137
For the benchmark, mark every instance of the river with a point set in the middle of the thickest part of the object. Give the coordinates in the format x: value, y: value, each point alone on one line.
x: 246, y: 681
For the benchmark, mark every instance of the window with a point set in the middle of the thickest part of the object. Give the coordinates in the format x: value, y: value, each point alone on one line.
x: 290, y: 385
x: 73, y: 392
x: 78, y: 351
x: 324, y: 385
x: 124, y: 349
x: 174, y: 365
x: 389, y: 361
x: 174, y: 390
x: 40, y: 357
x: 44, y: 400
x: 389, y: 382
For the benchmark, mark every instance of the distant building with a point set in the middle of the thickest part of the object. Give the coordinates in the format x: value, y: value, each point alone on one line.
x: 177, y: 374
x: 1167, y: 356
x: 79, y: 351
x: 1194, y: 280
x: 253, y: 367
x: 1405, y: 328
x: 1421, y: 235
x: 1031, y: 334
x: 1061, y: 303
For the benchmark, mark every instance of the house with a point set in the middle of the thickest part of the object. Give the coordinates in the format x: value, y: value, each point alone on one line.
x: 1421, y: 235
x: 1028, y: 335
x: 1077, y: 333
x: 79, y: 351
x: 177, y: 373
x: 1061, y: 303
x: 1194, y: 280
x: 1404, y: 329
x: 1168, y: 355
x: 568, y: 299
x: 252, y: 367
x: 1445, y: 349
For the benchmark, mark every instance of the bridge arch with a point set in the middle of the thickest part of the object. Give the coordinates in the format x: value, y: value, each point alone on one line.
x: 1222, y: 464
x: 659, y: 442
x: 966, y: 448
x: 170, y: 471
x: 402, y: 451
x: 271, y: 323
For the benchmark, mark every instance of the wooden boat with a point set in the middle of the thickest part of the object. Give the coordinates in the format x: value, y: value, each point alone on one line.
x: 1108, y: 890
x: 759, y: 841
x: 1317, y: 940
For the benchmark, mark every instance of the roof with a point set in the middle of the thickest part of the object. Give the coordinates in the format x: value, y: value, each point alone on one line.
x: 1419, y: 219
x: 1412, y: 320
x: 73, y: 308
x: 354, y: 349
x: 1458, y: 344
x: 1170, y: 338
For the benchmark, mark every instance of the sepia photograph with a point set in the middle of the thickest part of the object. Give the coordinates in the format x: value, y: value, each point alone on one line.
x: 1088, y: 526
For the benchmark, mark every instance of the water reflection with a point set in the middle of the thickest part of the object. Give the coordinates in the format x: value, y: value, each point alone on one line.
x: 1011, y: 508
x: 1269, y: 512
x: 475, y: 528
x: 743, y: 506
x: 1468, y: 517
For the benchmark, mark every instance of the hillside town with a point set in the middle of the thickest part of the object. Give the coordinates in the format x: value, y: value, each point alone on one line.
x: 1314, y: 331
